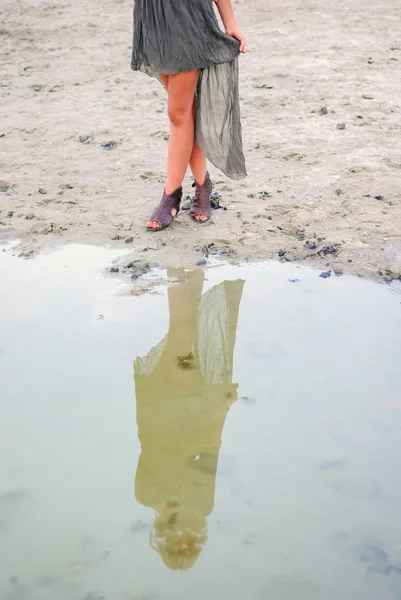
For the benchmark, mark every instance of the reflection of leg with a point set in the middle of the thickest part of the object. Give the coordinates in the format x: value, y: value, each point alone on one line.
x: 184, y: 300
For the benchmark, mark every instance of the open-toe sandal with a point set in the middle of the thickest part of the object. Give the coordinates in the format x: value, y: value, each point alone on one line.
x: 201, y: 204
x: 163, y: 213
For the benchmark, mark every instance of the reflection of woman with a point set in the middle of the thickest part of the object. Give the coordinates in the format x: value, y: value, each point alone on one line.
x: 184, y: 390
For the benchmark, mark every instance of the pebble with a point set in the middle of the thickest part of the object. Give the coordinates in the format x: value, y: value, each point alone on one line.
x: 129, y: 239
x: 367, y: 97
x: 340, y: 125
x: 338, y: 272
x: 311, y: 245
x: 42, y: 191
x: 138, y: 268
x: 201, y: 262
x: 26, y: 254
x: 29, y: 216
x: 86, y: 139
x: 325, y: 274
x: 109, y: 145
x: 114, y: 269
x: 339, y: 192
x: 323, y: 110
x: 331, y: 249
x: 10, y: 213
x: 282, y: 252
x: 67, y: 186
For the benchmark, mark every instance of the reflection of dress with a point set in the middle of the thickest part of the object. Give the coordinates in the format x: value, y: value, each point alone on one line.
x: 181, y: 412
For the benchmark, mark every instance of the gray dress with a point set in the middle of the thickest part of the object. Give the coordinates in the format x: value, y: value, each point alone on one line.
x: 175, y: 36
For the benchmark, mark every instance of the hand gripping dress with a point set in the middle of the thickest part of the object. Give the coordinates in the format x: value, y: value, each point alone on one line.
x: 175, y: 36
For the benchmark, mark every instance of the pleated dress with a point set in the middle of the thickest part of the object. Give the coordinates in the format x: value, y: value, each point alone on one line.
x: 175, y: 36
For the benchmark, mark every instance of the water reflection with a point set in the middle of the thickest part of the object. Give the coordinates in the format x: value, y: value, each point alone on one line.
x: 184, y: 391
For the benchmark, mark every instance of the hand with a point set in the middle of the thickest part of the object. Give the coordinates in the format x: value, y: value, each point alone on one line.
x: 235, y: 33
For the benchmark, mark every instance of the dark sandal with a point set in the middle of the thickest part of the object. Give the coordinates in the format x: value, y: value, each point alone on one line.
x: 162, y: 214
x: 201, y: 203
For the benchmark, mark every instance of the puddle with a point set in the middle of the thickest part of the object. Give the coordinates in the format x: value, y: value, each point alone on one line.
x: 237, y: 436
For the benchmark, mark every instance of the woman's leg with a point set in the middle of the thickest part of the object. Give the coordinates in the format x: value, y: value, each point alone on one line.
x: 181, y: 95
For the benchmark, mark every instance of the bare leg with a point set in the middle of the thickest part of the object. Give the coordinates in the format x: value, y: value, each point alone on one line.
x: 197, y: 161
x: 181, y: 92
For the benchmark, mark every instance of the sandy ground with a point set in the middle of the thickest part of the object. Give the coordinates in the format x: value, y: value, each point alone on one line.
x: 312, y: 187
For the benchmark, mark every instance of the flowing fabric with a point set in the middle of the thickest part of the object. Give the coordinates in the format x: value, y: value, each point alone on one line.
x: 175, y: 36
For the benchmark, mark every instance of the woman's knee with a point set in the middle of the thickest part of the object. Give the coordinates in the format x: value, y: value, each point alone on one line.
x: 180, y: 115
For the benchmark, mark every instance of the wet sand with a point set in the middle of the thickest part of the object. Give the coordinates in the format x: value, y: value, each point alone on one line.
x: 315, y: 192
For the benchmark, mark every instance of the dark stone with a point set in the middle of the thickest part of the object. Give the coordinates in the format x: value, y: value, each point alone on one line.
x: 109, y: 145
x: 129, y: 239
x: 338, y: 272
x: 42, y: 191
x: 215, y: 201
x: 379, y: 197
x: 339, y: 192
x: 331, y: 249
x: 325, y: 274
x: 340, y: 125
x: 201, y: 262
x: 282, y: 253
x: 323, y: 110
x: 311, y: 245
x: 67, y: 186
x: 114, y: 269
x: 138, y: 268
x: 10, y: 213
x: 293, y: 280
x: 367, y: 97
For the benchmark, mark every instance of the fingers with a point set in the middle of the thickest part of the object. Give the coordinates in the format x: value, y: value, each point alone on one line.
x: 242, y: 46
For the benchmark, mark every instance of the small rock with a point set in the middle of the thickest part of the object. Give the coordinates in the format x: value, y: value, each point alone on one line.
x: 42, y: 191
x: 138, y: 268
x: 311, y: 245
x: 293, y: 280
x: 129, y: 239
x: 379, y: 197
x: 325, y: 274
x: 338, y: 272
x: 10, y: 213
x: 367, y: 97
x: 109, y: 145
x: 340, y: 125
x: 359, y: 117
x: 114, y: 269
x: 66, y: 186
x: 201, y: 262
x: 4, y: 186
x: 29, y: 216
x: 215, y: 201
x: 87, y: 139
x: 186, y: 204
x: 282, y: 253
x: 323, y: 110
x: 339, y: 192
x: 26, y: 254
x: 36, y: 88
x: 331, y: 249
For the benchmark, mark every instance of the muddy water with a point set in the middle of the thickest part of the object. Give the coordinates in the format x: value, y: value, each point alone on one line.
x: 237, y: 435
